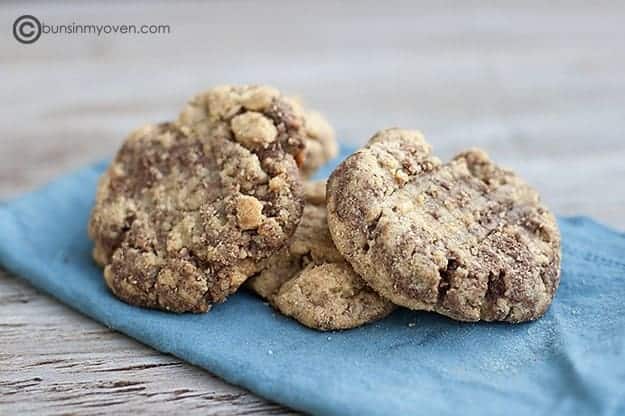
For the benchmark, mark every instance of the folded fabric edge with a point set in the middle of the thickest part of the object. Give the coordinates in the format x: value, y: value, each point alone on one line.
x: 98, y: 167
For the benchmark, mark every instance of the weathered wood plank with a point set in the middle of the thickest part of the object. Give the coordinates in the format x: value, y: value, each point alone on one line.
x: 50, y: 366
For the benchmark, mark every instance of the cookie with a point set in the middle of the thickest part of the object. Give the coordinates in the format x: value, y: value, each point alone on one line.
x: 330, y: 296
x: 320, y: 144
x: 310, y: 280
x: 184, y: 216
x: 466, y: 239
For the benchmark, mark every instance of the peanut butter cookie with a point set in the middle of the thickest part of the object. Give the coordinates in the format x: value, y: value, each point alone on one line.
x: 184, y: 215
x: 467, y: 239
x: 310, y: 280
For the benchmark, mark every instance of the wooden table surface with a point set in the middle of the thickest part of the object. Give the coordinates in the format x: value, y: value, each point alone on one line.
x: 540, y: 87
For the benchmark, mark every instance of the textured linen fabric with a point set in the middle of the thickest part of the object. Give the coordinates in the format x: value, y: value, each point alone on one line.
x: 572, y: 361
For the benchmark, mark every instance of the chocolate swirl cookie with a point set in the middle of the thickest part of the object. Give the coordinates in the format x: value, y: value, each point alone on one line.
x: 186, y: 213
x: 467, y: 239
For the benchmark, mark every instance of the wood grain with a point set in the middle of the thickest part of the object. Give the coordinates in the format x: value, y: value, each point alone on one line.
x: 54, y: 360
x: 538, y: 85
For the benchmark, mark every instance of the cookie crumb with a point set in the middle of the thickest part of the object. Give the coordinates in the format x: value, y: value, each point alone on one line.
x: 253, y: 129
x: 249, y: 212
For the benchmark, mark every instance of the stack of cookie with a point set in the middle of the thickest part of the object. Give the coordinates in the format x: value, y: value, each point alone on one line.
x: 191, y: 210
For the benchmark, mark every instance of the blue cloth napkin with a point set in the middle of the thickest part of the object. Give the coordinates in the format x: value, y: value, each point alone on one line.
x: 572, y: 361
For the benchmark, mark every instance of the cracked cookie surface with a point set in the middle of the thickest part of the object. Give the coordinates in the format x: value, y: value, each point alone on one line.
x: 184, y: 216
x: 466, y: 239
x: 310, y: 281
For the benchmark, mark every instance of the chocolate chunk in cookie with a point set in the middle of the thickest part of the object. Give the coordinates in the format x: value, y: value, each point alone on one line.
x: 310, y: 280
x: 467, y: 239
x: 183, y: 216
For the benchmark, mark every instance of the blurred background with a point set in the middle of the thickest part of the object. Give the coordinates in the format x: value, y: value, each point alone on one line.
x: 539, y: 85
